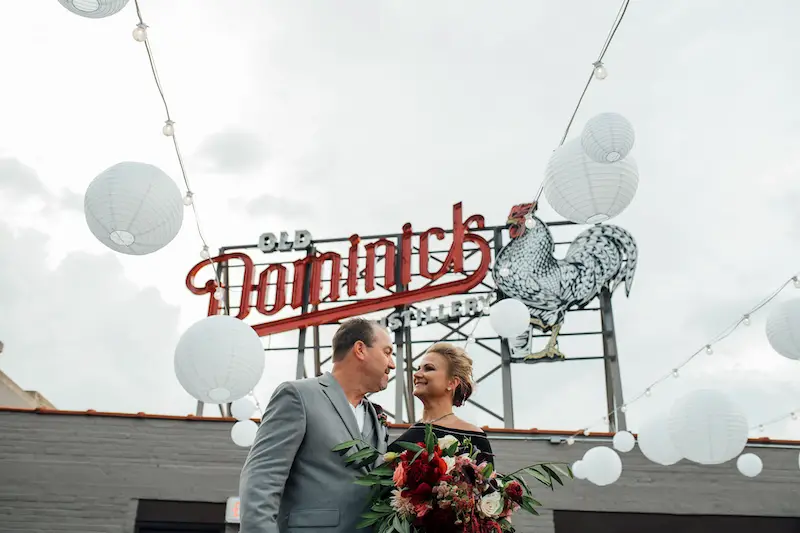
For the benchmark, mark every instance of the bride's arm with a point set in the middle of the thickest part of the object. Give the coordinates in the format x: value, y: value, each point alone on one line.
x: 267, y: 467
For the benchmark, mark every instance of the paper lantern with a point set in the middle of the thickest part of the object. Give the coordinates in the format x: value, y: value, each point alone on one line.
x: 602, y: 465
x: 655, y: 443
x: 94, y: 9
x: 708, y: 428
x: 579, y: 469
x: 587, y: 192
x: 243, y: 433
x: 783, y: 329
x: 133, y: 208
x: 749, y: 464
x: 243, y: 409
x: 607, y: 138
x: 219, y: 359
x: 623, y: 441
x: 509, y: 318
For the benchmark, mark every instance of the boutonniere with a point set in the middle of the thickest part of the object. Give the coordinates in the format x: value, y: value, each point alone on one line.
x: 381, y: 415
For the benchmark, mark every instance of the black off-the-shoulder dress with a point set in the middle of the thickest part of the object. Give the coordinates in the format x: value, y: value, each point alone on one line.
x: 416, y: 433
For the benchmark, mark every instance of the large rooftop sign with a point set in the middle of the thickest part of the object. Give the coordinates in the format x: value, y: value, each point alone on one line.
x: 308, y: 271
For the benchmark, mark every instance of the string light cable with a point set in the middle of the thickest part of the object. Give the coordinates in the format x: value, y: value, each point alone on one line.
x: 140, y: 35
x: 708, y: 349
x: 598, y: 72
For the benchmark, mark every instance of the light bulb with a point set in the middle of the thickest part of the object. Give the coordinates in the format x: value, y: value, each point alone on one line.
x: 140, y: 32
x: 648, y: 392
x: 746, y: 320
x: 796, y: 282
x: 570, y: 441
x: 204, y: 253
x: 674, y: 372
x: 168, y: 129
x: 586, y: 432
x: 709, y: 349
x: 794, y: 416
x: 188, y: 199
x: 761, y: 428
x: 529, y: 222
x: 624, y: 408
x: 219, y: 294
x: 600, y: 71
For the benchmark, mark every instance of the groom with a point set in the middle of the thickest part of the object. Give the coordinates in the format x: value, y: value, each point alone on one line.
x: 291, y: 480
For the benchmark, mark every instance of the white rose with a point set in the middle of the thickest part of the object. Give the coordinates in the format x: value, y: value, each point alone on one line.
x: 450, y: 462
x: 447, y: 441
x: 492, y: 504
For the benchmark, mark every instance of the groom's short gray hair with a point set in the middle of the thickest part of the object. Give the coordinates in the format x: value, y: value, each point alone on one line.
x: 349, y: 333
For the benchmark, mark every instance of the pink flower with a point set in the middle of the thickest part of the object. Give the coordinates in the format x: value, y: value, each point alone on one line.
x: 399, y: 476
x: 421, y: 509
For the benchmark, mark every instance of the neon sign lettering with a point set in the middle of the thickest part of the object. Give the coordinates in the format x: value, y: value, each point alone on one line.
x: 275, y: 277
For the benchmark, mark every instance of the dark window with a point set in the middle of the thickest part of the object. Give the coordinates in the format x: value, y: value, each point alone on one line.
x: 156, y: 516
x: 589, y: 522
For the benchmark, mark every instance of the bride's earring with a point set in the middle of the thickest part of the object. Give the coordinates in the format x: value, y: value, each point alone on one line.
x: 448, y: 389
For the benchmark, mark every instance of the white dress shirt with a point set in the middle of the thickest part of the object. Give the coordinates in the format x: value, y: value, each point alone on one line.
x: 359, y: 412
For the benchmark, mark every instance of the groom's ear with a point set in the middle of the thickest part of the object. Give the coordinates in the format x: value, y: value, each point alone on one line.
x: 360, y: 350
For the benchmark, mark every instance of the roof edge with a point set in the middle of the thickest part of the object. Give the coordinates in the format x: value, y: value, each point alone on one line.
x: 190, y: 418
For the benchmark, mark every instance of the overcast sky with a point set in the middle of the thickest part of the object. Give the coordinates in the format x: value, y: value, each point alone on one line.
x: 359, y: 117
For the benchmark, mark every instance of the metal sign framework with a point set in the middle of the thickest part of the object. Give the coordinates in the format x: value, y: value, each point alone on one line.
x: 409, y: 344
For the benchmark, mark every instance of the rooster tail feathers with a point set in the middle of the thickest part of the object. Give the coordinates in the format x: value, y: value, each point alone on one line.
x: 594, y: 239
x: 625, y: 242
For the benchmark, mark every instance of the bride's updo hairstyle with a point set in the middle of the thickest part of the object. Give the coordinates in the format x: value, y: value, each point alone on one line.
x: 459, y: 366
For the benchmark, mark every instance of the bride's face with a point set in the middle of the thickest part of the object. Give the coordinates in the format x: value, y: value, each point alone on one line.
x: 431, y: 378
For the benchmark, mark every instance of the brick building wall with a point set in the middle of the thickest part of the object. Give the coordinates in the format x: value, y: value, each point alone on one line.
x: 86, y: 473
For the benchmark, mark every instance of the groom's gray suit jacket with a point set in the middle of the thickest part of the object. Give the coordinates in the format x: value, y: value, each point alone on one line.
x: 291, y: 480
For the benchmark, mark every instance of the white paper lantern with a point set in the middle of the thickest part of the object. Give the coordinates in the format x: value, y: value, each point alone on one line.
x: 623, y: 441
x: 579, y: 469
x: 243, y: 409
x: 655, y: 443
x: 602, y: 465
x: 219, y: 359
x: 749, y: 464
x: 607, y: 138
x: 134, y: 208
x: 243, y: 433
x: 783, y: 329
x: 509, y: 318
x: 707, y: 427
x: 587, y: 192
x: 94, y: 9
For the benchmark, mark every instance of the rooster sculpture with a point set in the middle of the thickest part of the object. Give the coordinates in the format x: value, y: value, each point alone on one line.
x: 601, y: 257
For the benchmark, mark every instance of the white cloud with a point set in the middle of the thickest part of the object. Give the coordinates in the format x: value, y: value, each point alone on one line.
x: 83, y: 334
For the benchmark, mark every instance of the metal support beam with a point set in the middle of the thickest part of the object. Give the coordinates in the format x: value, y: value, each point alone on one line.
x: 300, y: 372
x: 614, y: 398
x: 505, y: 351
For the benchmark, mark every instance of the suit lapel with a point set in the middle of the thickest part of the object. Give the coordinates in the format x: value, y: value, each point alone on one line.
x: 335, y: 394
x: 377, y: 436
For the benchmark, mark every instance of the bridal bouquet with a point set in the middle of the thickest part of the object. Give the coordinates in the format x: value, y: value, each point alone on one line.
x: 439, y: 486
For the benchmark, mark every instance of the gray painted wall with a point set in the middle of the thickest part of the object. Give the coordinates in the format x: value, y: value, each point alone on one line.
x: 86, y: 473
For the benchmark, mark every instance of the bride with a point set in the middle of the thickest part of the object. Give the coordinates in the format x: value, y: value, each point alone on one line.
x: 443, y: 381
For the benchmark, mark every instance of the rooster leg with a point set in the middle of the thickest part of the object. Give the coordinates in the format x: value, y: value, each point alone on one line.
x: 551, y: 350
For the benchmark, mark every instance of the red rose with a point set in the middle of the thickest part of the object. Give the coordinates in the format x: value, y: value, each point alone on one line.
x: 514, y: 492
x: 424, y: 471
